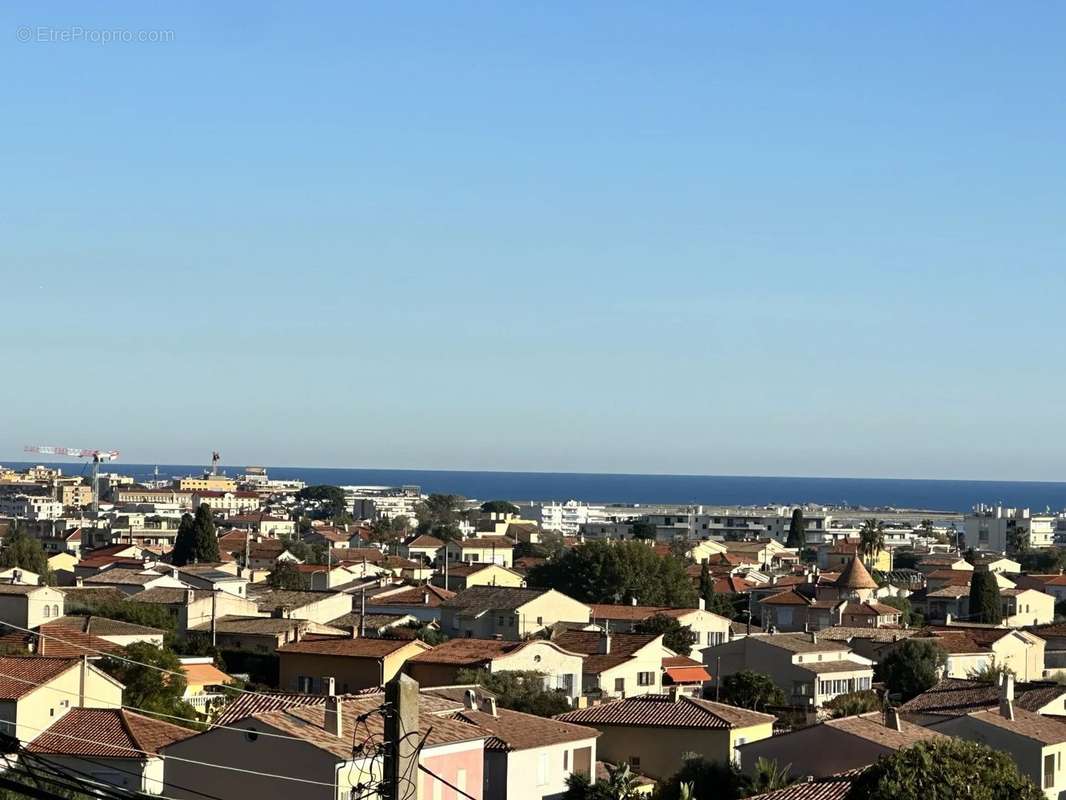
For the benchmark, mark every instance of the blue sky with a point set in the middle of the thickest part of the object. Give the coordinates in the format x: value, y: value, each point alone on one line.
x: 727, y: 239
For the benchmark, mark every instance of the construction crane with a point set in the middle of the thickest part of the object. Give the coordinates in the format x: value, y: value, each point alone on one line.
x: 97, y: 457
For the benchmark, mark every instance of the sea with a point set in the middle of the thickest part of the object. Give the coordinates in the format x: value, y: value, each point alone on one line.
x: 711, y: 490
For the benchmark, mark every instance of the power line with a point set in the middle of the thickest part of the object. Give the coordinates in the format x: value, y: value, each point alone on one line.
x: 451, y: 786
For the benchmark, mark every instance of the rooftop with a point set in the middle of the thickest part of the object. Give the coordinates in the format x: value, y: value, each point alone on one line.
x: 107, y: 733
x: 1046, y: 730
x: 20, y: 675
x: 663, y: 711
x: 347, y: 646
x: 479, y: 599
x: 955, y: 697
x: 513, y: 730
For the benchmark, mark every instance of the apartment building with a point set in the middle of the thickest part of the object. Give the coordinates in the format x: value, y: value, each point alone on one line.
x: 30, y: 506
x: 383, y: 502
x: 205, y: 483
x: 566, y: 518
x: 995, y: 528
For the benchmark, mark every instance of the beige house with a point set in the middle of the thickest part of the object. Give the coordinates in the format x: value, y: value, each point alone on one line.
x: 441, y: 665
x: 29, y: 606
x: 616, y: 665
x: 38, y: 690
x: 652, y: 732
x: 62, y: 567
x: 1023, y: 607
x: 837, y: 745
x: 971, y: 649
x: 956, y: 697
x: 110, y: 630
x: 485, y: 612
x: 809, y: 670
x: 482, y: 550
x: 349, y: 664
x: 422, y: 548
x: 463, y: 576
x: 709, y: 629
x: 1035, y: 743
x: 262, y: 635
x: 190, y: 608
x: 132, y: 580
x: 318, y: 607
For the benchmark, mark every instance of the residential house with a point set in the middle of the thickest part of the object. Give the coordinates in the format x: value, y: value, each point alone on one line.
x: 766, y: 553
x: 424, y: 548
x: 1035, y: 743
x: 61, y: 565
x: 1054, y: 637
x: 441, y: 665
x: 112, y: 746
x: 234, y: 502
x: 616, y: 664
x: 421, y: 602
x: 375, y: 625
x: 213, y: 578
x: 265, y: 554
x: 463, y: 576
x: 709, y: 629
x: 133, y: 580
x: 1054, y: 585
x: 529, y: 757
x: 352, y: 663
x: 653, y: 732
x: 973, y: 648
x: 35, y: 691
x: 955, y: 697
x: 1022, y: 607
x: 933, y: 563
x: 321, y: 764
x: 318, y: 607
x: 111, y: 630
x: 204, y: 684
x: 481, y: 550
x: 847, y: 600
x: 837, y: 745
x: 511, y: 613
x: 191, y: 608
x: 809, y: 670
x: 263, y: 524
x: 685, y: 673
x: 834, y: 556
x: 259, y: 635
x: 29, y: 606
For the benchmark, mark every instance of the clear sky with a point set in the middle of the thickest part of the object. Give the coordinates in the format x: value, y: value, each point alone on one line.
x: 745, y: 238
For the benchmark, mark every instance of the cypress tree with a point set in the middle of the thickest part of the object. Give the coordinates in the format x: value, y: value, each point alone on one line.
x: 706, y: 585
x: 797, y: 530
x: 985, y: 605
x: 184, y: 542
x: 205, y: 543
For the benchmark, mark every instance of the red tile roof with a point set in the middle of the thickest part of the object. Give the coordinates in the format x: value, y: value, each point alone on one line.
x: 20, y: 675
x: 661, y: 711
x: 346, y: 646
x: 107, y: 733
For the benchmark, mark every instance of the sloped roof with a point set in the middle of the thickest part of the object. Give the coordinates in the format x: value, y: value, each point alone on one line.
x: 412, y: 595
x: 103, y: 626
x: 513, y: 730
x: 831, y: 787
x: 280, y: 599
x: 872, y: 728
x: 20, y: 675
x: 200, y: 674
x: 348, y: 647
x: 799, y: 642
x: 855, y: 576
x: 107, y: 733
x: 168, y: 595
x: 662, y: 711
x: 955, y: 697
x: 479, y: 599
x: 1045, y: 730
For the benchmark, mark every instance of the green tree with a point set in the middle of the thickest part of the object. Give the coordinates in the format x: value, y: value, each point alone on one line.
x: 1017, y: 540
x: 617, y: 571
x: 330, y: 498
x: 912, y: 667
x: 439, y: 512
x: 945, y: 769
x: 644, y: 530
x: 151, y: 684
x: 707, y: 779
x: 286, y: 576
x: 713, y: 601
x: 991, y: 673
x: 676, y: 637
x: 852, y: 703
x: 797, y: 530
x: 24, y: 552
x: 986, y: 606
x: 754, y: 690
x: 389, y: 530
x: 35, y: 776
x: 871, y: 538
x: 196, y: 541
x: 499, y: 507
x: 768, y: 776
x: 908, y: 616
x: 519, y: 690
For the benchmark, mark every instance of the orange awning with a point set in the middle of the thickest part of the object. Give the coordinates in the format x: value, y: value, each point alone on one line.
x: 687, y: 674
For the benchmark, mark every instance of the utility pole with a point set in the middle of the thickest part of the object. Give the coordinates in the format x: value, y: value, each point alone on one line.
x: 401, y: 739
x: 214, y: 618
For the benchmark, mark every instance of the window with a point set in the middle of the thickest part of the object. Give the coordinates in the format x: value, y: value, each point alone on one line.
x: 619, y: 684
x: 645, y: 679
x: 47, y: 611
x: 566, y: 760
x: 304, y: 684
x: 1049, y: 770
x: 542, y: 769
x: 55, y: 611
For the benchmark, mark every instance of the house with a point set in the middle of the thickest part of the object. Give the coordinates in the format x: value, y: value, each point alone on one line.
x: 763, y: 553
x: 132, y: 580
x: 685, y: 673
x: 310, y: 754
x: 424, y: 548
x: 463, y: 576
x: 35, y: 691
x: 847, y: 600
x: 487, y: 611
x: 318, y: 607
x: 837, y: 745
x: 260, y: 635
x: 111, y: 630
x: 1035, y: 743
x: 53, y: 641
x: 20, y: 576
x: 832, y: 787
x: 1023, y: 607
x: 421, y: 602
x: 191, y: 608
x: 933, y: 563
x: 834, y: 556
x: 203, y: 684
x: 954, y: 697
x: 29, y: 606
x: 1054, y: 638
x: 213, y: 578
x: 529, y: 757
x: 265, y: 554
x: 440, y: 666
x: 375, y: 625
x: 709, y: 629
x: 616, y: 664
x: 972, y: 648
x: 61, y: 565
x: 652, y: 732
x: 262, y: 524
x: 352, y: 663
x: 406, y: 568
x: 482, y: 550
x: 1054, y: 585
x: 809, y: 670
x: 112, y: 745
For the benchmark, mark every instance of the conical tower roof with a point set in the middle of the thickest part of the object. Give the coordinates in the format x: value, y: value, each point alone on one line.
x: 855, y: 576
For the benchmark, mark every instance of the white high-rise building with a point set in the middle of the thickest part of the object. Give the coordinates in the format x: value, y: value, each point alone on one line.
x: 991, y: 528
x: 565, y: 517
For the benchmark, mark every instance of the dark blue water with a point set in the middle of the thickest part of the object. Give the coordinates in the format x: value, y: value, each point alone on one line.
x: 933, y: 495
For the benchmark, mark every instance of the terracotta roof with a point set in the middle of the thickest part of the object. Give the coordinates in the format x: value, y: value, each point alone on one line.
x: 661, y: 711
x: 20, y: 675
x: 872, y: 728
x: 168, y: 595
x: 634, y: 613
x: 870, y: 609
x: 479, y: 599
x: 789, y: 597
x: 467, y: 651
x: 369, y: 554
x: 425, y: 541
x: 697, y: 674
x: 845, y: 633
x: 832, y: 787
x: 1046, y: 730
x: 513, y: 730
x: 590, y: 642
x: 954, y: 697
x: 281, y: 600
x: 347, y: 646
x: 60, y: 642
x: 91, y: 595
x: 955, y: 577
x: 799, y: 643
x: 732, y: 585
x: 261, y: 626
x: 855, y: 576
x: 124, y: 577
x: 107, y: 733
x: 103, y: 626
x: 487, y: 543
x: 18, y: 588
x: 246, y: 705
x: 412, y: 595
x: 374, y: 622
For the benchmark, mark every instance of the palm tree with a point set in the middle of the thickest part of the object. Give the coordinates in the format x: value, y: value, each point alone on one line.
x: 768, y: 776
x: 621, y: 782
x: 871, y: 538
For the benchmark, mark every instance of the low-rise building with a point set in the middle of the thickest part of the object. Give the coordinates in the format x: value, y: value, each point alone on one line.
x: 318, y: 607
x: 709, y: 629
x: 651, y: 733
x: 995, y: 529
x: 463, y: 576
x: 350, y: 663
x: 511, y: 613
x: 616, y: 664
x: 192, y: 608
x: 23, y: 606
x: 482, y: 550
x: 956, y: 697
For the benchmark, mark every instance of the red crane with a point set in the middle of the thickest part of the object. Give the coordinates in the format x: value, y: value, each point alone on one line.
x: 97, y: 456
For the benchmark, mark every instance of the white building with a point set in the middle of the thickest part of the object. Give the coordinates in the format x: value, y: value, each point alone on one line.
x: 382, y: 502
x: 565, y: 517
x: 991, y: 529
x: 30, y: 506
x: 698, y: 522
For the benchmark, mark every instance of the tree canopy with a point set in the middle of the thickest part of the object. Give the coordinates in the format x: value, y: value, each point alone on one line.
x: 985, y: 603
x: 499, y: 507
x: 25, y: 552
x: 797, y: 530
x: 871, y: 538
x: 642, y: 529
x: 331, y: 499
x: 705, y: 779
x: 945, y: 769
x: 676, y: 636
x: 197, y: 541
x: 617, y: 572
x: 286, y: 576
x: 754, y: 690
x: 852, y: 703
x: 713, y: 601
x: 518, y: 690
x: 147, y: 688
x: 912, y: 667
x: 439, y: 515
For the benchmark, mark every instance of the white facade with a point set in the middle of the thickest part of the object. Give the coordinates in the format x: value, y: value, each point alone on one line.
x: 990, y: 529
x: 565, y: 517
x: 29, y: 506
x: 382, y: 502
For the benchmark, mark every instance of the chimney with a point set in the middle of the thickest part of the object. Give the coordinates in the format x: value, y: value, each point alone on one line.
x: 814, y: 637
x: 605, y: 644
x: 675, y: 694
x: 947, y: 619
x: 470, y: 699
x: 1006, y: 696
x: 190, y: 596
x: 331, y: 685
x: 355, y: 631
x: 633, y: 602
x: 488, y: 705
x: 702, y: 604
x: 333, y: 721
x: 425, y: 598
x: 892, y: 719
